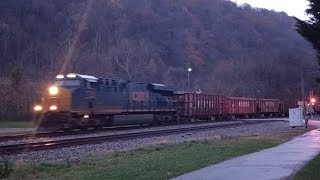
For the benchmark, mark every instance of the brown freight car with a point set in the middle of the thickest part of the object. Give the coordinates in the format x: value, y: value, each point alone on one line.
x: 199, y: 106
x: 249, y: 107
x: 288, y: 104
x: 208, y: 107
x: 239, y: 106
x: 269, y: 107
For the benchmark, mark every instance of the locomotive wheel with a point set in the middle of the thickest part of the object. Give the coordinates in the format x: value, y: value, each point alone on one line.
x: 67, y: 129
x: 84, y: 128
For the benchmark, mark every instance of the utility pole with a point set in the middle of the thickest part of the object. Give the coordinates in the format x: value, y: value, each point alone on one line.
x: 302, y: 94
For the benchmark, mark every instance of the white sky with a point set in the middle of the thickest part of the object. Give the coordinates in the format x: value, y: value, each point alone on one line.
x: 291, y: 7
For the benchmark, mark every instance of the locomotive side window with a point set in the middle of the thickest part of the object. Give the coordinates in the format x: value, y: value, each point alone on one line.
x: 68, y: 83
x: 90, y: 85
x: 93, y: 85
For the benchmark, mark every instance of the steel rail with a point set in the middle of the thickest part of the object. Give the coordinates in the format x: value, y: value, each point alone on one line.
x: 19, y: 136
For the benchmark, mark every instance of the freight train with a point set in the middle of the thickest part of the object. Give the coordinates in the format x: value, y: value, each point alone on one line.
x: 78, y: 101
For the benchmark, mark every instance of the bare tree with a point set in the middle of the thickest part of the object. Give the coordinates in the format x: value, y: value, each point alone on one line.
x: 129, y: 57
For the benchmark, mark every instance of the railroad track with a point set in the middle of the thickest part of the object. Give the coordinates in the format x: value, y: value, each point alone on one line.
x: 19, y: 136
x: 54, y: 144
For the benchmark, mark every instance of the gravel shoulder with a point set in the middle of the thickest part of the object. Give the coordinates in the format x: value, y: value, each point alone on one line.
x: 70, y: 154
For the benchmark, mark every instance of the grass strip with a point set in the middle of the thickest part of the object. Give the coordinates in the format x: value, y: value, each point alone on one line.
x: 310, y: 171
x: 154, y: 162
x: 16, y: 124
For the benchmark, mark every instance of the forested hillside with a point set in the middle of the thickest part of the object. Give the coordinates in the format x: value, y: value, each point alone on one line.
x: 240, y: 51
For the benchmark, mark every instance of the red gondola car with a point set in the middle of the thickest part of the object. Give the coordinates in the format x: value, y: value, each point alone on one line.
x: 200, y: 106
x: 239, y: 106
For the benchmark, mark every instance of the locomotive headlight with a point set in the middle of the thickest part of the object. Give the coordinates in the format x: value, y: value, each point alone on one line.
x: 71, y: 75
x: 60, y: 76
x: 37, y: 108
x: 53, y: 108
x: 53, y: 90
x: 86, y: 116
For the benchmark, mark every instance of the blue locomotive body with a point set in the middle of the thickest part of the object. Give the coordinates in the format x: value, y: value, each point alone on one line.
x: 81, y: 101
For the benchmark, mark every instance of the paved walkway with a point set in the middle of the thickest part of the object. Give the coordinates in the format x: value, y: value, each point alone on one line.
x: 269, y: 164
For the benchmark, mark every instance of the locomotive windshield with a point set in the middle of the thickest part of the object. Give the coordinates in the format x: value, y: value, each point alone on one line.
x: 69, y: 83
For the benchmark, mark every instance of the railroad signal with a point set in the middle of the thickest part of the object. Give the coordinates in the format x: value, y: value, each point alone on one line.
x: 313, y: 101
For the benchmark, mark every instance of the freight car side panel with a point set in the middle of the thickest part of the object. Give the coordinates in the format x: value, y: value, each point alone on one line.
x: 199, y: 105
x: 288, y: 104
x: 269, y: 106
x: 239, y: 106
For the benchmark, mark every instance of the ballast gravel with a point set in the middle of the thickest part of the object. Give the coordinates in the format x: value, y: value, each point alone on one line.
x: 70, y: 154
x: 112, y: 132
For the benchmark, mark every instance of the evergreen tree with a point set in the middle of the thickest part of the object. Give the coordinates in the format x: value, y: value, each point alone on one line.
x: 310, y: 29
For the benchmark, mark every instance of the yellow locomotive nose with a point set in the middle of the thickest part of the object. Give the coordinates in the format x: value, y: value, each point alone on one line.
x: 53, y: 90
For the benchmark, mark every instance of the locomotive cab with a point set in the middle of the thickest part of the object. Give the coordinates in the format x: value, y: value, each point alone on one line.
x: 57, y: 102
x: 58, y: 96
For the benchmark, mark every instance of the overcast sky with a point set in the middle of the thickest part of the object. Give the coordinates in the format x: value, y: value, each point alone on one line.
x: 291, y: 7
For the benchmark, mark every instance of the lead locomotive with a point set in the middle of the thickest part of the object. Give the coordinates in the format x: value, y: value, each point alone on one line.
x: 82, y: 101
